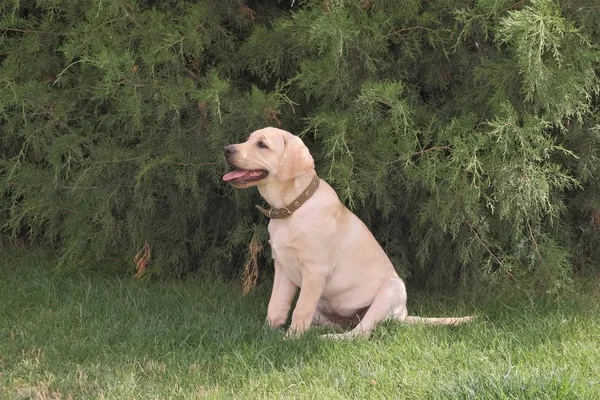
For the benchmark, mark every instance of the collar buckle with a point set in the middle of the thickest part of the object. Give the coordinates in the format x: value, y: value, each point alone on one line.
x: 284, y: 212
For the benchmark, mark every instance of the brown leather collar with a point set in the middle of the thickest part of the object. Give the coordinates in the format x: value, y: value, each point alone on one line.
x: 285, y: 212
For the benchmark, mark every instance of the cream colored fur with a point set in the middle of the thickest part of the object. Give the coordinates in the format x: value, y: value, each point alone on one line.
x: 323, y: 249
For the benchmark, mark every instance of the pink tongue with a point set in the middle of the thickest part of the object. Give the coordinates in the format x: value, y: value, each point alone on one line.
x: 235, y: 174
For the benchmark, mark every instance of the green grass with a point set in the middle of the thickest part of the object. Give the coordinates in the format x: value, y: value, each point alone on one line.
x: 66, y: 335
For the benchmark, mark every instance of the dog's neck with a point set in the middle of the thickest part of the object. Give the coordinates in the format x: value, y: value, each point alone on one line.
x: 281, y: 194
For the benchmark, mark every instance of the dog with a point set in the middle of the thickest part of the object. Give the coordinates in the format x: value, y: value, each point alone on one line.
x: 318, y: 245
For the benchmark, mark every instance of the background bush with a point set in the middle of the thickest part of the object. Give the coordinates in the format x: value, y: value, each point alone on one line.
x: 465, y: 134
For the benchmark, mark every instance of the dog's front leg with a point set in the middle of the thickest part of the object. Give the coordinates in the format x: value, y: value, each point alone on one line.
x: 313, y: 284
x: 282, y: 295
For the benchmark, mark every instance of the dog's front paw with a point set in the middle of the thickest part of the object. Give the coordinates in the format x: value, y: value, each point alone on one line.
x: 291, y: 335
x: 296, y: 330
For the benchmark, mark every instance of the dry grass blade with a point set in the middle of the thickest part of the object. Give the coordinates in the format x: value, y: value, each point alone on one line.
x: 251, y: 266
x: 142, y: 259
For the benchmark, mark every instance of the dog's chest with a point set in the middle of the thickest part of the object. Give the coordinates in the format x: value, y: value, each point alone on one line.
x: 284, y: 234
x: 285, y: 244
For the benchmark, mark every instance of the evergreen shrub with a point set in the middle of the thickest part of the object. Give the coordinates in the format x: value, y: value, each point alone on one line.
x: 465, y: 134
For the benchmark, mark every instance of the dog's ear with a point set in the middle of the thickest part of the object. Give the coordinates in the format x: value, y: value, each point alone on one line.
x: 296, y: 159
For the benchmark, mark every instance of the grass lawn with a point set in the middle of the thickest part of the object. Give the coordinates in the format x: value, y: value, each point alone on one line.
x: 66, y: 335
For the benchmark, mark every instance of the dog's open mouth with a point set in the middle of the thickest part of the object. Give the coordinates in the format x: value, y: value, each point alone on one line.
x: 245, y: 176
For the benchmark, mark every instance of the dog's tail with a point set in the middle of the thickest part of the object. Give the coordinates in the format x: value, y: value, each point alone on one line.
x: 438, y: 321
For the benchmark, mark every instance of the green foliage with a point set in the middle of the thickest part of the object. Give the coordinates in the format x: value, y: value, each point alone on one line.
x: 465, y: 135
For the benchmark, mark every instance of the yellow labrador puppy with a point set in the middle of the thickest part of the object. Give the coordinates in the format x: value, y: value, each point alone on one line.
x: 345, y: 277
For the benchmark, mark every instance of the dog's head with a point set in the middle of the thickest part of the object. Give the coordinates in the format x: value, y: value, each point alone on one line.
x: 269, y: 154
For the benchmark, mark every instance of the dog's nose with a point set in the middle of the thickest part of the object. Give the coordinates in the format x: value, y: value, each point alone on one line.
x: 229, y: 150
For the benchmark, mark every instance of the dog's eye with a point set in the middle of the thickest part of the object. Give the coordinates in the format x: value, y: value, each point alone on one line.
x: 262, y: 145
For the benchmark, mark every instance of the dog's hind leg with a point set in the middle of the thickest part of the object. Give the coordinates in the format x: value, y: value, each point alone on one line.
x: 320, y: 319
x: 389, y: 302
